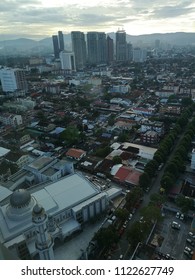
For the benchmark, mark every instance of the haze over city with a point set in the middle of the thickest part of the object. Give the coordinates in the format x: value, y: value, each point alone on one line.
x: 38, y: 19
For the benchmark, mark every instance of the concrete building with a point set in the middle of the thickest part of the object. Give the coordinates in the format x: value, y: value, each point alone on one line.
x: 121, y: 45
x: 139, y: 55
x: 154, y: 126
x: 139, y: 150
x: 79, y: 48
x: 11, y: 119
x: 55, y: 46
x: 69, y: 203
x: 110, y: 50
x: 193, y: 159
x: 150, y: 137
x: 67, y: 60
x: 97, y: 47
x: 13, y: 80
x: 61, y: 41
x: 44, y: 242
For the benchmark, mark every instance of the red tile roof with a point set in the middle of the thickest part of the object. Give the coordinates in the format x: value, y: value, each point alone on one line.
x: 75, y: 153
x: 128, y: 174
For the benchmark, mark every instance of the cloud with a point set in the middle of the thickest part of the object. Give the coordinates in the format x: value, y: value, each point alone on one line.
x: 47, y: 16
x: 174, y: 11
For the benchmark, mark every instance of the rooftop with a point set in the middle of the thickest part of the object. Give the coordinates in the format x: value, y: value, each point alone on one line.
x: 41, y: 162
x: 3, y: 151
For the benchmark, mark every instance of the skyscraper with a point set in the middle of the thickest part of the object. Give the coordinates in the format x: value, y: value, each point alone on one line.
x: 92, y: 47
x: 61, y: 41
x: 102, y: 47
x: 121, y: 45
x: 110, y: 49
x: 55, y: 46
x: 79, y: 48
x: 96, y: 47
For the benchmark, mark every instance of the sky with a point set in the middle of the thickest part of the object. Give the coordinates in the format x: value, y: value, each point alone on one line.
x: 38, y: 19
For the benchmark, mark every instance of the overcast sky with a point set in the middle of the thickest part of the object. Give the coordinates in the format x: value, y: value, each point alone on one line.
x: 43, y: 18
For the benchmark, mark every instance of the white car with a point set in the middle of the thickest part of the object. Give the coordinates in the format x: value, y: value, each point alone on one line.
x: 175, y: 225
x: 182, y: 217
x: 188, y: 251
x: 130, y: 216
x: 191, y: 234
x: 177, y: 215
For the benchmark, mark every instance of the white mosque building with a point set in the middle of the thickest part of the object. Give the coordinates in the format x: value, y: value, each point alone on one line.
x: 68, y: 203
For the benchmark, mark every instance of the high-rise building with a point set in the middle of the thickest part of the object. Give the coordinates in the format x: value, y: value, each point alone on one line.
x: 193, y: 159
x: 92, y: 48
x: 139, y: 55
x: 121, y: 45
x: 102, y: 47
x: 79, y: 48
x: 67, y: 60
x: 96, y: 47
x: 13, y: 80
x: 55, y: 46
x: 129, y: 51
x: 61, y: 41
x: 110, y: 49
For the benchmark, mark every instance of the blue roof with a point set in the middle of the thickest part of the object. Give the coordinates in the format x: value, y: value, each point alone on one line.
x: 57, y: 130
x: 106, y: 135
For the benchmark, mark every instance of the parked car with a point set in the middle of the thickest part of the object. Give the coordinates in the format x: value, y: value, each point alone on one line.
x: 188, y: 251
x: 191, y: 234
x: 190, y: 241
x: 182, y: 217
x: 177, y: 215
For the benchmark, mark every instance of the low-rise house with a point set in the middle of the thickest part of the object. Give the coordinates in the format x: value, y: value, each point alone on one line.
x: 76, y: 154
x: 127, y: 175
x: 18, y: 158
x: 11, y: 119
x: 152, y: 126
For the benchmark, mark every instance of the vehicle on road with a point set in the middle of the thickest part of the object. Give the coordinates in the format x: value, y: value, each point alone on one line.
x: 175, y: 225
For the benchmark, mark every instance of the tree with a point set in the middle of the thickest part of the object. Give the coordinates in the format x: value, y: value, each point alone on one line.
x: 184, y: 203
x: 138, y: 232
x: 151, y: 213
x: 172, y: 168
x: 122, y: 214
x: 186, y: 101
x: 167, y: 181
x: 70, y: 135
x: 133, y: 197
x: 144, y: 181
x: 106, y: 236
x: 117, y: 160
x: 103, y: 152
x: 123, y: 137
x: 157, y: 199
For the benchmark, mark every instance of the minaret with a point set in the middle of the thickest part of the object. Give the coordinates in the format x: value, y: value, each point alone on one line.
x: 44, y: 242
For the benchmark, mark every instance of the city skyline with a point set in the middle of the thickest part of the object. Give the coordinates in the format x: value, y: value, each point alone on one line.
x: 40, y: 18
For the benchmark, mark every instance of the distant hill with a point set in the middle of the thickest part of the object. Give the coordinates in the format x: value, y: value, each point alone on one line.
x: 24, y: 46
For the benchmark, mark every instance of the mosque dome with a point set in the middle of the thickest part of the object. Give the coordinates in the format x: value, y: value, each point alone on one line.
x: 20, y: 198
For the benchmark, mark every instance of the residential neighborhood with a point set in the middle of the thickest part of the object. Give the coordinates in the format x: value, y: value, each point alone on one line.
x: 125, y: 133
